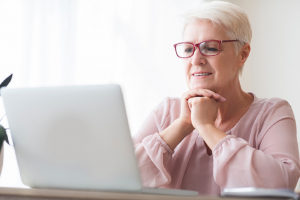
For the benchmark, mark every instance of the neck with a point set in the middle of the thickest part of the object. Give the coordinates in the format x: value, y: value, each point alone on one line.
x: 236, y: 101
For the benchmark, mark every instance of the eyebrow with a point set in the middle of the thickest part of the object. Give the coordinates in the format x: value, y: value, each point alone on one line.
x: 198, y: 42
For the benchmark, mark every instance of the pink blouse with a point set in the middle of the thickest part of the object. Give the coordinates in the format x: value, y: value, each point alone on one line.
x: 261, y: 150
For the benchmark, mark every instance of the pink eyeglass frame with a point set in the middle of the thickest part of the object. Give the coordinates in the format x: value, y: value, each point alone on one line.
x: 198, y: 45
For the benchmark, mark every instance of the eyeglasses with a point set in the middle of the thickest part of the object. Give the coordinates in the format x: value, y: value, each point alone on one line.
x: 207, y: 48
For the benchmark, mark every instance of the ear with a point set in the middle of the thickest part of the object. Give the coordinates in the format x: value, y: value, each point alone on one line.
x: 244, y: 54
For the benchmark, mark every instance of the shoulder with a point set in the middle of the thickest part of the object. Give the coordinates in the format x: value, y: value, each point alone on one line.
x: 273, y: 106
x: 159, y: 118
x: 274, y: 101
x: 269, y: 111
x: 167, y: 111
x: 167, y: 103
x: 263, y: 114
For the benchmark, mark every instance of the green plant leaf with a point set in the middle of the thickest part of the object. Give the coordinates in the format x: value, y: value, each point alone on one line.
x: 3, y: 136
x: 6, y: 81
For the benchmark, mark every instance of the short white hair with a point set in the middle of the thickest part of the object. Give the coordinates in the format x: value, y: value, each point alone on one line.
x: 226, y: 14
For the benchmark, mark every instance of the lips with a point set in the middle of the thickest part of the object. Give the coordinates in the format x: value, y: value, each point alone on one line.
x: 199, y: 74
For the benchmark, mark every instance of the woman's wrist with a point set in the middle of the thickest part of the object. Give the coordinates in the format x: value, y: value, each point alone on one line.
x: 175, y: 133
x: 210, y: 134
x: 203, y: 128
x: 186, y: 127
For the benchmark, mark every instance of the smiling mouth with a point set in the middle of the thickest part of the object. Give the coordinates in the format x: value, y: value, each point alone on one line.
x: 202, y: 74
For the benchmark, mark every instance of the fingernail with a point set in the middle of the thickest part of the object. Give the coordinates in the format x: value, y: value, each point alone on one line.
x: 223, y: 99
x: 217, y: 95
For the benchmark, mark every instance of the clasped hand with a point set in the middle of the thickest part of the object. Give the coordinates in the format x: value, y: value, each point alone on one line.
x: 199, y: 107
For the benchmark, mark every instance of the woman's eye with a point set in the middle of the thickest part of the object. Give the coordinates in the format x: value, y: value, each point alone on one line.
x: 188, y: 50
x: 212, y: 49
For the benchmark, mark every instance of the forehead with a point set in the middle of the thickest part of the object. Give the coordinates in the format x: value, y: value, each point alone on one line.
x: 198, y: 31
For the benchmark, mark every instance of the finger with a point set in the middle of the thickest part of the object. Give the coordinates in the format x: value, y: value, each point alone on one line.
x: 196, y: 93
x: 216, y: 95
x: 213, y: 94
x: 190, y: 102
x: 219, y: 98
x: 203, y: 93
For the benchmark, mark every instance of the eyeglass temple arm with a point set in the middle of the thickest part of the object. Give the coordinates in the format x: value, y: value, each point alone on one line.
x: 229, y: 41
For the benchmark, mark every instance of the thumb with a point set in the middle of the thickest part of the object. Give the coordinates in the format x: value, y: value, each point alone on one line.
x: 190, y: 103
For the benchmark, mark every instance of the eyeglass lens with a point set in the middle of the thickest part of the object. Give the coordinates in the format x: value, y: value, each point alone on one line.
x: 208, y: 48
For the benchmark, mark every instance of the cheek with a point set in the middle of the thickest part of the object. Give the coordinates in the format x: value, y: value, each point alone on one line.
x: 226, y: 68
x: 186, y: 66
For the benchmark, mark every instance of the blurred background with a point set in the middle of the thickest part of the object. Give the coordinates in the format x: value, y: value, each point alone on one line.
x: 130, y: 42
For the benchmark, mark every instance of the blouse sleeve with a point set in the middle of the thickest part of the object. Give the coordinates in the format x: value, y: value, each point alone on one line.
x: 152, y: 152
x: 275, y: 164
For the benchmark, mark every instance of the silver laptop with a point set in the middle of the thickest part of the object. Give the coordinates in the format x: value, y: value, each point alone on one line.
x: 75, y: 137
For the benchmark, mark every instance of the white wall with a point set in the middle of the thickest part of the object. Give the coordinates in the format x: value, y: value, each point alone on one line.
x: 273, y: 68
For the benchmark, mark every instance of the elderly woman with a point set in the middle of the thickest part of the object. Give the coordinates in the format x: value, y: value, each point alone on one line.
x: 217, y: 136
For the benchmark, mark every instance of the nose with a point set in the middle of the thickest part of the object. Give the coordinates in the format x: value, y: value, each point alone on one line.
x: 198, y: 58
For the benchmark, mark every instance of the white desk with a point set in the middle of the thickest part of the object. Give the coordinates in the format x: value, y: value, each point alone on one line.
x: 47, y: 194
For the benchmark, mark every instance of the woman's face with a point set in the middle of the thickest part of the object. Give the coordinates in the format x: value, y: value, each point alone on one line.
x: 222, y: 68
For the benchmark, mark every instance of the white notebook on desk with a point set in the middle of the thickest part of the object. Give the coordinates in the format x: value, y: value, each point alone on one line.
x: 260, y: 192
x: 75, y: 137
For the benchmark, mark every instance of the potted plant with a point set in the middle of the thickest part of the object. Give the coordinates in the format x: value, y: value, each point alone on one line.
x: 3, y: 135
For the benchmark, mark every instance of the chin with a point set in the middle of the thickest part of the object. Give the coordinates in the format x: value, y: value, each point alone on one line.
x: 199, y: 86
